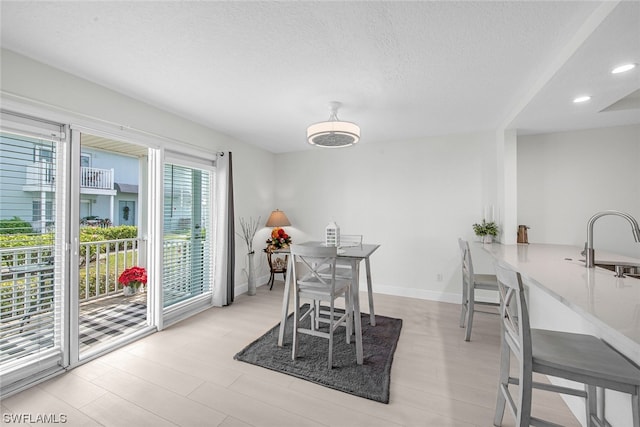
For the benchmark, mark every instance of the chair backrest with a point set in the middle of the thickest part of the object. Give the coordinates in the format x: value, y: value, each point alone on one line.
x: 315, y: 258
x: 467, y: 263
x: 514, y: 315
x: 348, y: 240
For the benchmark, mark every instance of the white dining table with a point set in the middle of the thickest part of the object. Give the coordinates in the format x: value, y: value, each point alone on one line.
x: 355, y: 254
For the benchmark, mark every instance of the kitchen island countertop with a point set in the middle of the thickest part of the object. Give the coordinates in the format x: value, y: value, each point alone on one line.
x: 610, y: 303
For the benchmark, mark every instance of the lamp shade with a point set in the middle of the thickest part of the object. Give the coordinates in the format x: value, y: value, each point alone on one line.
x: 277, y: 219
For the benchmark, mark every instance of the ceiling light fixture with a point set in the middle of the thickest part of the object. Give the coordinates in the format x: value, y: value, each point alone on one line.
x: 333, y: 133
x: 623, y: 68
x: 581, y: 99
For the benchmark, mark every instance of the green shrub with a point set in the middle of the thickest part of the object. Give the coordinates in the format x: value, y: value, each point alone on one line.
x: 15, y: 225
x: 96, y: 234
x: 22, y: 240
x: 99, y: 234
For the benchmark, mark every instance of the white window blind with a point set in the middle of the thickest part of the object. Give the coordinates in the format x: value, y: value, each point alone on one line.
x: 30, y: 302
x: 186, y: 244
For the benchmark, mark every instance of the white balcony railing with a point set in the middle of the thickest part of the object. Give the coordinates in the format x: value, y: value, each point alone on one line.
x: 28, y: 288
x: 41, y: 176
x: 99, y: 179
x: 101, y: 263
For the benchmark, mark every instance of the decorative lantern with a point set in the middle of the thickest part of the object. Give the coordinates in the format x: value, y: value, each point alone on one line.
x: 332, y: 234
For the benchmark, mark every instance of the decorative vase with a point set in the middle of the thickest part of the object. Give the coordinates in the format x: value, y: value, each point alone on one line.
x: 130, y: 290
x: 251, y: 280
x: 488, y: 238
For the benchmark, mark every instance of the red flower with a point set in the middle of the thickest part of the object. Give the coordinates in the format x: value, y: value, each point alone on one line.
x: 133, y: 274
x: 279, y: 239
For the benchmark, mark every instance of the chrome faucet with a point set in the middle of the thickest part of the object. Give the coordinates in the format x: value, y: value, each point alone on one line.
x: 588, y: 249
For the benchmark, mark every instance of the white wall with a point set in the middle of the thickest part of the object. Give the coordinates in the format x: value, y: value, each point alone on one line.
x: 47, y: 86
x: 565, y: 178
x: 415, y: 198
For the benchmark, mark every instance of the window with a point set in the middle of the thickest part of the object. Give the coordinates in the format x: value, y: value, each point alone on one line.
x: 187, y: 237
x: 37, y: 214
x: 85, y: 160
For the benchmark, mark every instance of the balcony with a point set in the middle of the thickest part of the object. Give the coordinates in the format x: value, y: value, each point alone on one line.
x: 41, y: 177
x: 94, y: 180
x: 28, y: 295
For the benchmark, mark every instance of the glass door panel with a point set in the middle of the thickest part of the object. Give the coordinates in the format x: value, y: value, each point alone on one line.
x: 187, y: 239
x: 32, y: 257
x: 109, y: 243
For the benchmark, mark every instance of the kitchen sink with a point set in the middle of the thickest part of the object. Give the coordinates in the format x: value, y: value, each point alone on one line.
x: 621, y: 268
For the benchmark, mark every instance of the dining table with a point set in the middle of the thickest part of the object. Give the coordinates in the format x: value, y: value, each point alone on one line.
x: 354, y: 254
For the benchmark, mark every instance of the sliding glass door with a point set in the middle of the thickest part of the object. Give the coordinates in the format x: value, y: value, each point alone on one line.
x: 32, y: 254
x: 78, y: 207
x: 186, y: 268
x: 110, y: 185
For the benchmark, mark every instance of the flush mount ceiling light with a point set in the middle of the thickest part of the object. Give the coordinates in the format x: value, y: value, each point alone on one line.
x: 623, y: 68
x: 333, y: 133
x: 581, y: 99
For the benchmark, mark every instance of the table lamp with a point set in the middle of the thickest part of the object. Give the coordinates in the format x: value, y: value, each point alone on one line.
x: 279, y: 238
x: 277, y: 219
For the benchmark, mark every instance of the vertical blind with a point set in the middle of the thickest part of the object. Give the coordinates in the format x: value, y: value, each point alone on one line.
x: 30, y: 299
x: 186, y: 241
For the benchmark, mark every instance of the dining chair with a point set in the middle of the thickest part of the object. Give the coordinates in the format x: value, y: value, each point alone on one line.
x: 316, y: 287
x: 581, y: 358
x: 344, y: 266
x: 471, y: 282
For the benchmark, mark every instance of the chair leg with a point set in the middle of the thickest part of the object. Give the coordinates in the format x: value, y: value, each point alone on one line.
x: 591, y: 406
x: 317, y: 305
x: 470, y: 311
x: 635, y: 407
x: 331, y: 322
x: 600, y: 407
x: 296, y: 317
x: 348, y: 308
x: 503, y: 383
x: 525, y: 390
x: 463, y: 310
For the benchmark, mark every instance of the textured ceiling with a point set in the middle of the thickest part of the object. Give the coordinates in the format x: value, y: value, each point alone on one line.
x: 263, y: 71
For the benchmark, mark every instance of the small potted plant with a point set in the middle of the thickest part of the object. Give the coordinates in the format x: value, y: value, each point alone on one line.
x: 487, y: 231
x: 132, y: 279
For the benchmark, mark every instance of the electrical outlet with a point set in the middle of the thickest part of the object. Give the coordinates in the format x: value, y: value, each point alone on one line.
x: 439, y: 277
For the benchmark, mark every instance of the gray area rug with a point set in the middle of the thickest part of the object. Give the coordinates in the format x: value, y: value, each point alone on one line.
x: 369, y: 380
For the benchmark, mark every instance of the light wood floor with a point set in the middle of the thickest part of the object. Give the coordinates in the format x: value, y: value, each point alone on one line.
x: 186, y: 376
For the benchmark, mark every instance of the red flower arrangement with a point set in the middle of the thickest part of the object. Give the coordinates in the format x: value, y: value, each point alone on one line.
x: 133, y: 276
x: 279, y: 239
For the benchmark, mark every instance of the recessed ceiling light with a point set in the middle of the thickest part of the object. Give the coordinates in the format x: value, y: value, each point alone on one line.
x: 582, y: 99
x: 623, y: 68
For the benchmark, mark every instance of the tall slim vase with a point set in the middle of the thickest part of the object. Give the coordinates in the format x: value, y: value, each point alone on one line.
x: 251, y: 280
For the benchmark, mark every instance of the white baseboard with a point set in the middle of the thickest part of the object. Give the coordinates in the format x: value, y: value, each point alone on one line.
x: 449, y: 297
x: 415, y: 293
x: 243, y: 288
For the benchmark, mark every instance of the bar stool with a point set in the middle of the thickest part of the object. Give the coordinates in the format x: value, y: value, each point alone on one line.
x: 576, y: 357
x: 316, y: 287
x: 471, y: 282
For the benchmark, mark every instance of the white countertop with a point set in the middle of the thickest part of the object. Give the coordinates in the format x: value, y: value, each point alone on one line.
x: 612, y: 304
